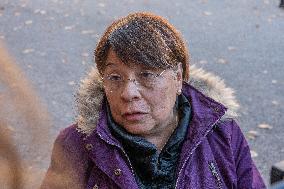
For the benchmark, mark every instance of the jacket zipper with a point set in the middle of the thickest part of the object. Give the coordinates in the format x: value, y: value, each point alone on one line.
x: 131, y: 168
x: 191, y: 152
x: 215, y: 174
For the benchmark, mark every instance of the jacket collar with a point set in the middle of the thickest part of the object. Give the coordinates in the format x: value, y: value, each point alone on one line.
x: 205, y: 112
x: 206, y: 92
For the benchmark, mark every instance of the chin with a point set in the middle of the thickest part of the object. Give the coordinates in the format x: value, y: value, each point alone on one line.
x: 138, y: 129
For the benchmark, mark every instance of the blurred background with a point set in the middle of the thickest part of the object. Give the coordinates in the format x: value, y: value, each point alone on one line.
x: 47, y: 47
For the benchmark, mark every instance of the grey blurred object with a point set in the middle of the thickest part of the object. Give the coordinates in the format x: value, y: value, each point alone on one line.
x: 281, y: 4
x: 277, y: 173
x: 279, y: 185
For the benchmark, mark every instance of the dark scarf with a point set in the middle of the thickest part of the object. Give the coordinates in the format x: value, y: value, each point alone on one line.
x: 154, y: 170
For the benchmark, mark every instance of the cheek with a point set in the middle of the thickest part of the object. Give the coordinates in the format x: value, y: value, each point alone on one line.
x: 162, y: 103
x: 114, y: 105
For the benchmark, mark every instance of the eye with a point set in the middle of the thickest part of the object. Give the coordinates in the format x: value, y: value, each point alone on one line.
x: 147, y: 75
x: 114, y: 77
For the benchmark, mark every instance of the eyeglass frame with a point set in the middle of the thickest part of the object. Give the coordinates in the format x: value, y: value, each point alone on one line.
x: 135, y: 81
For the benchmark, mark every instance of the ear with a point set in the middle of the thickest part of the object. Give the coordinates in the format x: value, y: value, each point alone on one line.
x: 179, y: 76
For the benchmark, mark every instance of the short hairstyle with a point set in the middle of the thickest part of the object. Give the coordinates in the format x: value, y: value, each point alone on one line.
x: 143, y: 38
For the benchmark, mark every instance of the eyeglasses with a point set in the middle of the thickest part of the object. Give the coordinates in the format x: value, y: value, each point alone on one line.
x: 147, y: 79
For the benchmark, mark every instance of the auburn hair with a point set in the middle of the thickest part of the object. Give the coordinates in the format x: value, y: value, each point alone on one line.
x: 143, y: 38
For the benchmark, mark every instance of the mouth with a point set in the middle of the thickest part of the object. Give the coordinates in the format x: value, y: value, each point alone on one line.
x: 134, y: 116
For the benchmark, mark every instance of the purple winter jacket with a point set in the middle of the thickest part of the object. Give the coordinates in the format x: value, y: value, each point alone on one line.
x: 214, y: 155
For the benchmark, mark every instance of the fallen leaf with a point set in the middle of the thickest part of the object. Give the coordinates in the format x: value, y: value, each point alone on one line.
x: 253, y: 154
x: 37, y: 11
x: 84, y: 32
x: 27, y: 51
x: 251, y: 137
x: 252, y: 134
x: 203, y: 62
x: 64, y: 60
x: 231, y: 48
x: 265, y: 126
x: 101, y: 5
x: 222, y: 61
x: 71, y: 83
x: 17, y: 14
x: 43, y: 12
x: 69, y: 27
x: 274, y: 81
x: 28, y: 22
x: 17, y: 28
x: 85, y: 54
x: 207, y: 13
x: 274, y: 102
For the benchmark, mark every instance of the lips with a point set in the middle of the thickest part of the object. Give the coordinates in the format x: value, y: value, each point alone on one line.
x: 134, y: 116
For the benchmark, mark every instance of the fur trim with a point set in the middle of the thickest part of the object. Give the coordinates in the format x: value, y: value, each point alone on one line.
x: 214, y: 87
x: 90, y: 96
x: 88, y: 102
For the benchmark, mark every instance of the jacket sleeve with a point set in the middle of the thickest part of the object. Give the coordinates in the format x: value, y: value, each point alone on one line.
x: 247, y: 173
x: 67, y: 166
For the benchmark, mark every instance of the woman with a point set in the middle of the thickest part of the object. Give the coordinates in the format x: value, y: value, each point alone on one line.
x: 145, y: 121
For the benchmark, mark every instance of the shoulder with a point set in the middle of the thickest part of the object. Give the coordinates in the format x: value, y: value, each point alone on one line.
x: 228, y: 131
x: 69, y: 133
x: 69, y: 161
x: 70, y: 139
x: 227, y: 127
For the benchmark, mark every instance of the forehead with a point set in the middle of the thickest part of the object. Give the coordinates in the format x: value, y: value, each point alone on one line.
x: 112, y: 58
x: 113, y: 61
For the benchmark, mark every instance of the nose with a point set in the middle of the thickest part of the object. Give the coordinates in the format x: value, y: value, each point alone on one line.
x: 130, y: 91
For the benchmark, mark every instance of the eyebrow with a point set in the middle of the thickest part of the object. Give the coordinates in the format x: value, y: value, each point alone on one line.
x: 109, y: 64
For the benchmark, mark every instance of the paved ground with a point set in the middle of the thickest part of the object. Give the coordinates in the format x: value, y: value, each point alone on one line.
x: 242, y: 41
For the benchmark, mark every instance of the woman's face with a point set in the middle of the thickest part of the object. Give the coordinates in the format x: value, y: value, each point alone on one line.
x: 142, y: 108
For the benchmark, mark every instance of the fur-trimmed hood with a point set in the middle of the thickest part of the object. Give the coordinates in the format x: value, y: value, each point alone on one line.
x: 91, y: 94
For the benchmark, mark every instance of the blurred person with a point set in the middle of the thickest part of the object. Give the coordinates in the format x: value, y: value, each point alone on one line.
x: 24, y: 128
x: 146, y: 121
